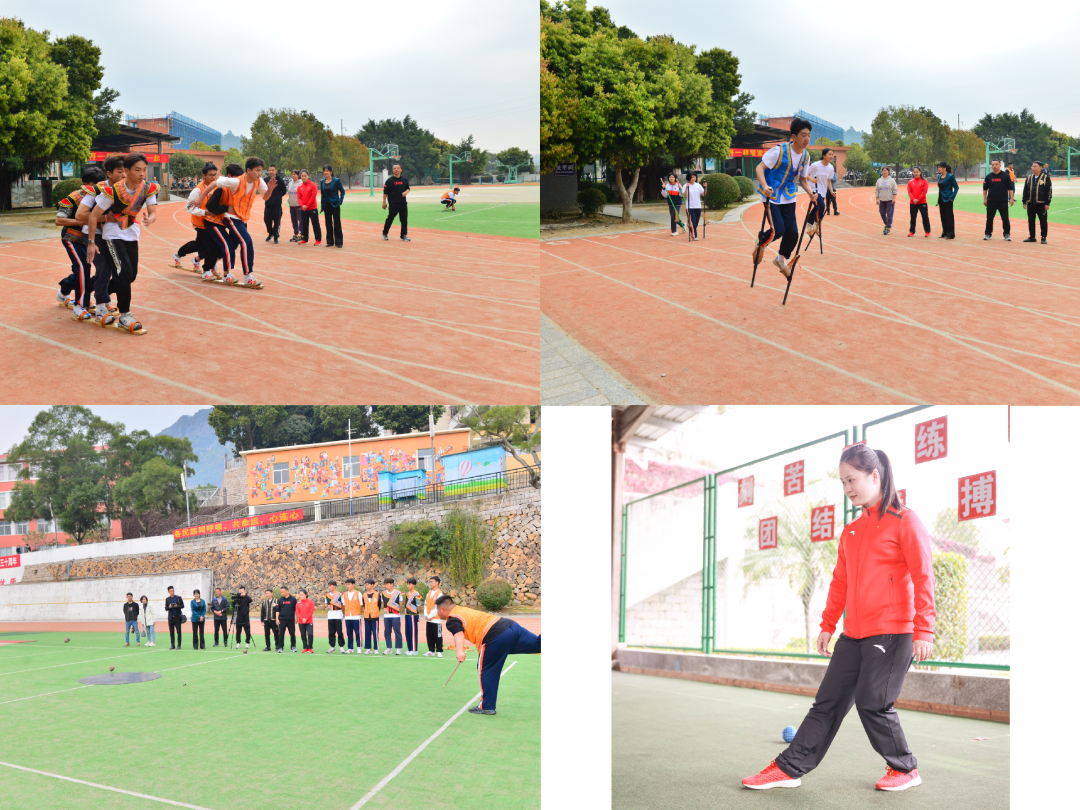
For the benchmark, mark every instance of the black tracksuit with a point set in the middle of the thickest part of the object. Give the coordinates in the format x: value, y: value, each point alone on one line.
x: 286, y: 620
x: 242, y: 622
x: 131, y: 611
x: 397, y: 204
x: 272, y: 209
x: 174, y: 605
x: 869, y: 673
x: 267, y: 615
x: 219, y: 604
x: 997, y: 188
x: 1037, y: 194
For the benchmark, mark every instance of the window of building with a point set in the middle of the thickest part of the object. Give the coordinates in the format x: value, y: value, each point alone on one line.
x: 425, y: 459
x: 351, y: 467
x: 281, y: 473
x: 5, y: 500
x: 47, y: 526
x: 8, y: 529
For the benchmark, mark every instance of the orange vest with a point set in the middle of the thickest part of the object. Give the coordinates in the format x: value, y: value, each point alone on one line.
x: 239, y: 199
x: 429, y: 600
x: 476, y: 622
x: 351, y: 603
x: 371, y: 605
x: 199, y: 222
x: 217, y: 219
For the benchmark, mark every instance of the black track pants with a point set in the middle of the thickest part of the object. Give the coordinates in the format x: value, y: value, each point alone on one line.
x: 869, y: 673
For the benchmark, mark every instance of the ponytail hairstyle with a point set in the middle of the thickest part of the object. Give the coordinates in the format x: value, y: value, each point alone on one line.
x: 867, y: 460
x: 946, y: 167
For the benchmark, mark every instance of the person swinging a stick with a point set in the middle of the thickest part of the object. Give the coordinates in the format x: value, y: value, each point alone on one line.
x: 776, y: 175
x: 673, y: 191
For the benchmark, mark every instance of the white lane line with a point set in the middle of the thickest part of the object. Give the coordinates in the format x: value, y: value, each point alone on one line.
x: 386, y: 779
x: 73, y: 663
x: 46, y: 694
x: 104, y: 787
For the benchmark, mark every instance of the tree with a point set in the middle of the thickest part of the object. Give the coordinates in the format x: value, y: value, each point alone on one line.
x: 153, y: 488
x: 923, y: 136
x: 332, y: 422
x: 1033, y: 137
x: 349, y: 156
x: 248, y: 427
x: 41, y: 120
x: 234, y: 155
x: 966, y: 149
x: 516, y: 157
x: 884, y: 143
x: 557, y: 110
x: 201, y: 146
x: 184, y: 165
x: 404, y: 418
x: 464, y: 171
x: 509, y: 425
x: 106, y: 119
x: 857, y: 160
x: 417, y: 154
x: 722, y: 69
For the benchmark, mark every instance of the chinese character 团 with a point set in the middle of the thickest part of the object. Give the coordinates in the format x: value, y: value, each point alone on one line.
x: 793, y: 478
x: 931, y: 440
x: 767, y: 533
x: 978, y: 496
x: 822, y: 524
x: 746, y: 491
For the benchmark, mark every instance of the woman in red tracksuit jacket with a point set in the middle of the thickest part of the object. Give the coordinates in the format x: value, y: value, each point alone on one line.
x: 885, y: 579
x: 916, y: 190
x: 307, y: 196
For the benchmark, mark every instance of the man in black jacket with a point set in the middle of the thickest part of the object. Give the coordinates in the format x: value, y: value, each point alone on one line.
x: 276, y: 188
x: 268, y: 616
x: 174, y: 606
x: 219, y: 606
x: 395, y: 190
x: 998, y: 192
x: 1037, y: 194
x: 131, y: 620
x: 241, y: 622
x: 286, y: 619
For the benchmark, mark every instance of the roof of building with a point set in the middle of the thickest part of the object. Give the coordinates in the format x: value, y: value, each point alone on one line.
x: 129, y: 136
x: 288, y: 447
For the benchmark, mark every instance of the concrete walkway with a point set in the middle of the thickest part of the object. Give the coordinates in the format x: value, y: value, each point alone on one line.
x: 570, y: 375
x: 24, y: 233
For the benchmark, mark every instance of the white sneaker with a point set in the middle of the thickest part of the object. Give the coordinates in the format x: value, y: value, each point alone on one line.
x: 439, y: 654
x: 811, y: 229
x: 398, y: 652
x: 208, y: 275
x: 387, y: 651
x: 781, y: 265
x: 238, y: 645
x: 428, y: 654
x: 246, y: 644
x: 60, y: 297
x: 230, y: 278
x: 195, y: 262
x: 176, y: 259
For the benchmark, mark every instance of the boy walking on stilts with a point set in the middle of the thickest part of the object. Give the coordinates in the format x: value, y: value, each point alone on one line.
x: 777, y: 174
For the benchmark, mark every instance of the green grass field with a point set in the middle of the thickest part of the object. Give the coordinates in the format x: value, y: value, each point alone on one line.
x: 1064, y: 209
x: 485, y: 213
x: 224, y: 731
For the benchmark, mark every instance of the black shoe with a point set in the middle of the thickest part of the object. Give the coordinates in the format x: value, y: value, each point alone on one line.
x: 172, y: 646
x: 275, y: 240
x: 385, y: 238
x: 339, y: 246
x: 1030, y: 239
x: 405, y: 239
x: 941, y: 236
x: 478, y: 710
x: 266, y: 649
x: 1008, y: 238
x: 1044, y: 240
x: 216, y: 644
x: 202, y: 646
x: 268, y: 238
x: 280, y: 650
x: 329, y: 244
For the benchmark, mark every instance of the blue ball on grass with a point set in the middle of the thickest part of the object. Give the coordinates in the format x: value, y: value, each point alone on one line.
x: 789, y: 733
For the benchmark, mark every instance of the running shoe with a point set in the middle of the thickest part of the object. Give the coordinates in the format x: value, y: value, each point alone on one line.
x: 251, y: 281
x: 769, y: 778
x: 898, y: 780
x: 318, y: 242
x: 781, y: 265
x: 176, y: 259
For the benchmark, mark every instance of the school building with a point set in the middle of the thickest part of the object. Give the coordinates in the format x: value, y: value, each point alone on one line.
x: 185, y: 129
x: 13, y: 534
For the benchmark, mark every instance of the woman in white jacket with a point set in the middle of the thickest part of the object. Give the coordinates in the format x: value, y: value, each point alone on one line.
x: 148, y: 622
x: 294, y: 205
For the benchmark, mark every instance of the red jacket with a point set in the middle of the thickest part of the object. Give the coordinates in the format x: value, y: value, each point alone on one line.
x: 305, y: 611
x: 916, y: 189
x: 306, y: 194
x: 884, y: 576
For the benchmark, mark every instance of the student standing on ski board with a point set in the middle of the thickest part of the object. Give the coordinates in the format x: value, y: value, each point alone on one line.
x: 884, y: 578
x: 916, y: 191
x: 105, y: 312
x: 75, y: 240
x: 239, y: 195
x: 213, y: 216
x: 125, y: 200
x: 777, y: 173
x: 821, y: 174
x: 948, y: 188
x: 203, y: 243
x: 673, y: 191
x: 695, y: 196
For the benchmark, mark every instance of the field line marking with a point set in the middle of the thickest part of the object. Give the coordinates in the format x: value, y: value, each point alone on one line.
x: 386, y: 779
x: 73, y: 663
x: 104, y: 787
x: 46, y: 694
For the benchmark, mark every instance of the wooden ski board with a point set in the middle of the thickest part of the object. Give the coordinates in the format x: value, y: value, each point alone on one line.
x: 114, y: 326
x: 222, y: 283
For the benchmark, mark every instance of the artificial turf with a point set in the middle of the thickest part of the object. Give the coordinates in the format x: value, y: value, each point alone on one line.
x: 1064, y: 209
x: 484, y: 215
x: 221, y: 729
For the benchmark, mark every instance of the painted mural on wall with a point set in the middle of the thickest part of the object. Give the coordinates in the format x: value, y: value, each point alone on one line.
x: 316, y: 474
x: 473, y: 469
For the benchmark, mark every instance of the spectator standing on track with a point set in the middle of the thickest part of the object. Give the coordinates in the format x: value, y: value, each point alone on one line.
x: 353, y: 608
x: 391, y: 600
x: 885, y: 193
x: 334, y: 615
x: 1037, y: 194
x: 820, y: 173
x: 276, y: 189
x: 286, y: 619
x: 948, y: 188
x: 174, y: 606
x: 998, y: 192
x: 131, y: 621
x: 148, y: 622
x: 198, y: 621
x: 432, y: 622
x: 916, y: 191
x: 830, y: 198
x: 333, y: 195
x: 295, y: 214
x: 219, y: 606
x: 372, y: 603
x: 412, y: 617
x: 307, y: 194
x: 268, y: 617
x: 674, y: 194
x: 242, y: 621
x: 395, y: 192
x: 305, y: 618
x: 695, y: 203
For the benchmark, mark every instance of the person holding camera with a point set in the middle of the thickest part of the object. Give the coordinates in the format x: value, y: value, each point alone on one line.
x: 268, y: 617
x: 174, y: 606
x: 219, y: 605
x: 286, y: 619
x: 241, y: 621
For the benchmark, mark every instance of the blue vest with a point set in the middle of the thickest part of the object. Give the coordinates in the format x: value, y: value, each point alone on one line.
x: 781, y: 178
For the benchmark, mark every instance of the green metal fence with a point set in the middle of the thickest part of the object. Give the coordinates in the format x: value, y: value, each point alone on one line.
x: 740, y: 561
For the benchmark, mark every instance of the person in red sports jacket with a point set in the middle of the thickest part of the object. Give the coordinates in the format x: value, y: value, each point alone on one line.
x: 884, y: 578
x: 307, y: 195
x: 305, y: 617
x: 916, y: 190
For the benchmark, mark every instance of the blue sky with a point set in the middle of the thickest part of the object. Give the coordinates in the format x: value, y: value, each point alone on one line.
x: 843, y: 60
x: 456, y: 68
x: 15, y: 419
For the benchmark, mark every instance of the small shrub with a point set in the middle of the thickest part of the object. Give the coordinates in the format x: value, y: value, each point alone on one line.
x: 951, y: 603
x: 870, y: 178
x: 993, y: 643
x: 746, y: 186
x: 62, y: 189
x: 723, y: 191
x: 591, y: 200
x: 494, y: 593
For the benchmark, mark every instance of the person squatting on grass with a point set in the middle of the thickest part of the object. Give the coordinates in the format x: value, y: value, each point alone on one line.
x: 777, y: 174
x: 884, y: 579
x: 885, y: 193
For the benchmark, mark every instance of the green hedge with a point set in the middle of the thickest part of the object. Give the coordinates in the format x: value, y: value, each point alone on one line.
x: 591, y: 200
x: 494, y: 593
x: 723, y: 191
x: 951, y: 603
x: 610, y: 194
x: 993, y: 643
x: 62, y: 189
x: 870, y: 178
x: 746, y: 186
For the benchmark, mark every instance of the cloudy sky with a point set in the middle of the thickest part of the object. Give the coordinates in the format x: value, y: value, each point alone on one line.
x: 843, y: 60
x: 15, y: 419
x: 456, y: 68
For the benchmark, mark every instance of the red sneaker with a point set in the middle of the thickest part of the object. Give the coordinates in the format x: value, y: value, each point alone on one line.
x: 318, y: 241
x: 897, y: 780
x: 927, y: 233
x: 302, y: 242
x: 769, y: 778
x: 912, y: 233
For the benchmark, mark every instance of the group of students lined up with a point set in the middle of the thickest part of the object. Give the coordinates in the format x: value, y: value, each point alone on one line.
x: 283, y: 614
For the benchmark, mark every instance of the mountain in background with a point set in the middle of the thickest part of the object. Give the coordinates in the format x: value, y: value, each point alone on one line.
x: 228, y: 140
x: 852, y: 135
x: 210, y: 467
